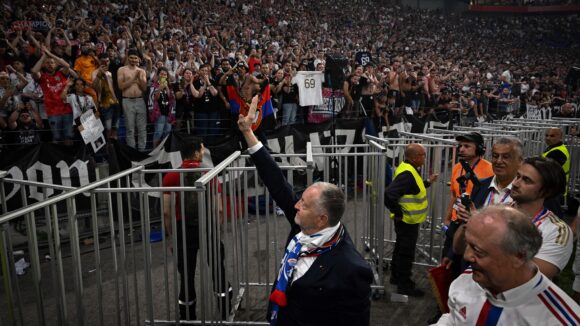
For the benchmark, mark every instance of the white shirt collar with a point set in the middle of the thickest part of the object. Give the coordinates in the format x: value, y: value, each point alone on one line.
x: 518, y: 295
x: 495, y: 186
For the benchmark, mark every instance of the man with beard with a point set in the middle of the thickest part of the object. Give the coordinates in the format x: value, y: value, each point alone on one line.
x: 133, y: 83
x: 503, y: 285
x: 532, y: 190
x: 537, y: 180
x: 53, y: 81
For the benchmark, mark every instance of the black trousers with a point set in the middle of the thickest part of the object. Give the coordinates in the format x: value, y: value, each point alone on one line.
x: 404, y: 253
x: 187, y: 295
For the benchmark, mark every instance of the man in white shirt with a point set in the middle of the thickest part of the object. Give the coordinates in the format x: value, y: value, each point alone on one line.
x: 503, y: 285
x: 537, y: 179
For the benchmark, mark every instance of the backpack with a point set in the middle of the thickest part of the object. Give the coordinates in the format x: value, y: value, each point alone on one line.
x: 190, y: 200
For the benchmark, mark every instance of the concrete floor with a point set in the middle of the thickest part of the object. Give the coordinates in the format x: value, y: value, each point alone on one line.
x: 117, y: 293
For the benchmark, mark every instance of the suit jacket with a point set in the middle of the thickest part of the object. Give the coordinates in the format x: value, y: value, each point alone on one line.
x: 336, y: 289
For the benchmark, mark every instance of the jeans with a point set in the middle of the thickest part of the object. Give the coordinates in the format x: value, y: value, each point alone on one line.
x: 289, y: 113
x: 135, y: 117
x: 162, y: 128
x: 205, y: 123
x: 415, y: 104
x: 61, y: 126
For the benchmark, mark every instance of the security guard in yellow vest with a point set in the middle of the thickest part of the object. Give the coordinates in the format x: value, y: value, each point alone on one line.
x: 557, y: 151
x: 406, y: 198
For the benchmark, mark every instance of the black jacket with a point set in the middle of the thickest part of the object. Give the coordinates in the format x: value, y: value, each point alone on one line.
x: 336, y: 289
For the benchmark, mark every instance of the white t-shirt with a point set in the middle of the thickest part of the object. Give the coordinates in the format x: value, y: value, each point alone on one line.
x: 576, y: 266
x: 309, y: 87
x: 557, y: 239
x: 536, y: 302
x: 80, y: 104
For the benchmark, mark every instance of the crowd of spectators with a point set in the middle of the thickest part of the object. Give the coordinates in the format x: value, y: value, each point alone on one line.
x: 59, y: 59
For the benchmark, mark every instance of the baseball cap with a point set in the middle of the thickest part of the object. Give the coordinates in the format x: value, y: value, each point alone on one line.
x: 473, y: 137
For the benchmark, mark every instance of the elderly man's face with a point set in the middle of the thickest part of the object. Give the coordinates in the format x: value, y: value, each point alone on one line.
x: 490, y: 264
x: 308, y: 215
x: 505, y: 161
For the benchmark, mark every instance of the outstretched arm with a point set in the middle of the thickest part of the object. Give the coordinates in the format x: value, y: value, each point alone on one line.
x: 268, y: 170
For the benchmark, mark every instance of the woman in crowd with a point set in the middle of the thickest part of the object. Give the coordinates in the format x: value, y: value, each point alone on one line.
x: 163, y: 113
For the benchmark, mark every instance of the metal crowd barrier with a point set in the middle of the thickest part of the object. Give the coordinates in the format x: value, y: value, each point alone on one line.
x: 123, y: 277
x: 55, y: 291
x: 440, y: 158
x: 490, y: 135
x: 532, y: 133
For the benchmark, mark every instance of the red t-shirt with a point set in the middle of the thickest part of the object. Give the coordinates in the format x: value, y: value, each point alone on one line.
x: 52, y: 86
x: 172, y: 179
x: 251, y: 62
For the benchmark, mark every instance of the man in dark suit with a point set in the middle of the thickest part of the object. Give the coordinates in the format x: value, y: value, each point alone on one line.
x: 323, y: 279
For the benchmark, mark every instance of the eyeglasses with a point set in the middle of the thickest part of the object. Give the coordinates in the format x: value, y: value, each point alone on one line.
x: 504, y: 157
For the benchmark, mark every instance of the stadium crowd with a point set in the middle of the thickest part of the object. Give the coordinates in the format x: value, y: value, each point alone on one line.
x: 147, y: 68
x: 480, y: 67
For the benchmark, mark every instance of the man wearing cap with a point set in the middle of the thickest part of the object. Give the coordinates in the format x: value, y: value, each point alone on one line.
x: 558, y: 152
x: 470, y: 149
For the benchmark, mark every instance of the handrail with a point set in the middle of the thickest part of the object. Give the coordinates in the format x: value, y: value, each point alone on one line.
x: 38, y: 184
x: 28, y: 209
x: 201, y: 182
x: 421, y: 136
x: 309, y: 157
x: 377, y: 145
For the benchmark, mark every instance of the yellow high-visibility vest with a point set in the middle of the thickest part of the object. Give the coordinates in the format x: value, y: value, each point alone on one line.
x: 414, y: 207
x: 566, y: 165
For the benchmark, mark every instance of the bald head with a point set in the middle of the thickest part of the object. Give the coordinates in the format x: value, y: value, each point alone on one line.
x: 553, y: 136
x: 415, y: 154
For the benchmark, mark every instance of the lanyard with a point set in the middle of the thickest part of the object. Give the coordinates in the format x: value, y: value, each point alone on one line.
x: 489, y: 200
x: 540, y: 216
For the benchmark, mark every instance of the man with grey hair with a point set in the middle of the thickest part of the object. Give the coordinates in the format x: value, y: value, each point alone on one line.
x: 503, y: 286
x: 538, y: 181
x: 323, y: 280
x: 506, y: 158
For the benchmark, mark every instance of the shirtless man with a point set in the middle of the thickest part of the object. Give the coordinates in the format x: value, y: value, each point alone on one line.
x: 133, y: 83
x: 369, y: 88
x: 247, y: 84
x: 394, y: 88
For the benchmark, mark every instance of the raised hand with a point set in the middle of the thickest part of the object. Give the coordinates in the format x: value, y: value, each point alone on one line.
x: 245, y: 122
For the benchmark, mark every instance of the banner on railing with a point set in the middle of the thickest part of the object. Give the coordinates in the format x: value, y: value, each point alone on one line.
x: 47, y: 163
x: 71, y: 166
